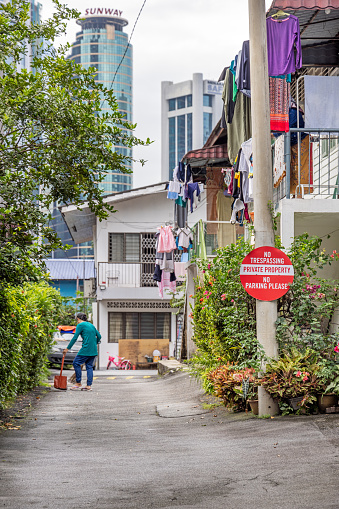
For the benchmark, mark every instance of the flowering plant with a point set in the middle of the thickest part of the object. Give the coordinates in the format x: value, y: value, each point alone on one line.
x: 306, y: 310
x: 224, y: 324
x: 295, y: 374
x: 227, y: 382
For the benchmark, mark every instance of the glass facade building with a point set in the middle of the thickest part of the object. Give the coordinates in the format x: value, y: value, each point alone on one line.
x: 101, y: 44
x: 189, y: 111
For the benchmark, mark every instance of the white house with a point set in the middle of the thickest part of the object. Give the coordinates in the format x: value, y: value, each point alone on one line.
x: 132, y: 317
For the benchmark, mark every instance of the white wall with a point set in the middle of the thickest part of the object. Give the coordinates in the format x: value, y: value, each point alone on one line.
x: 316, y: 217
x: 137, y: 215
x: 325, y: 168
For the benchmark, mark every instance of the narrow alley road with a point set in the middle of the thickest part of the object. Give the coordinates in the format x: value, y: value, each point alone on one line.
x: 142, y: 443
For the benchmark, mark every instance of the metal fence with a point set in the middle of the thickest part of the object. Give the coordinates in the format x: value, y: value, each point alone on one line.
x: 312, y: 165
x: 128, y: 275
x: 210, y: 235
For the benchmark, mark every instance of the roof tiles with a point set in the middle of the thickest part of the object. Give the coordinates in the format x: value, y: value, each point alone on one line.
x: 215, y: 152
x: 305, y: 4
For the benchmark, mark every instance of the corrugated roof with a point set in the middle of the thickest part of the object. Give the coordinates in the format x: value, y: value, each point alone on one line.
x: 80, y: 222
x: 70, y: 269
x: 305, y: 4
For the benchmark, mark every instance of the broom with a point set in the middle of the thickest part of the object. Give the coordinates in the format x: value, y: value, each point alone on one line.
x: 72, y: 378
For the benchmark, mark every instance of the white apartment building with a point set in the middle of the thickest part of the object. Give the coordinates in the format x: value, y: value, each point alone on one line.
x: 130, y: 314
x: 189, y: 111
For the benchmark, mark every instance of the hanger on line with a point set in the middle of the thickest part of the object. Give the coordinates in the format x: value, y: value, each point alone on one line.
x: 167, y: 223
x: 280, y: 14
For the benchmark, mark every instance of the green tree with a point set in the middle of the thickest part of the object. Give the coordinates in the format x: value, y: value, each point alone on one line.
x: 56, y: 142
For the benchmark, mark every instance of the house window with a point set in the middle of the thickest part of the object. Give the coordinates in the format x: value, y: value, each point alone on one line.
x: 124, y: 247
x: 181, y: 137
x: 171, y: 104
x: 181, y: 102
x: 327, y: 144
x: 138, y: 326
x: 207, y: 125
x: 207, y: 100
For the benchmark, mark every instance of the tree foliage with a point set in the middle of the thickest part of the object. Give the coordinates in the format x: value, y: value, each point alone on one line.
x: 56, y: 141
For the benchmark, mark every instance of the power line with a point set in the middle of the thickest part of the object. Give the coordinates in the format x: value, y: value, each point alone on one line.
x: 128, y: 45
x: 327, y: 234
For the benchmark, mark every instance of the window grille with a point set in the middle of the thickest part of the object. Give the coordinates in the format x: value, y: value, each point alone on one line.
x: 128, y: 304
x: 132, y: 325
x: 124, y: 247
x: 148, y: 252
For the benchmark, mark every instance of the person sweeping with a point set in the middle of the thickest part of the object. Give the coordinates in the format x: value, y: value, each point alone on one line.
x: 86, y: 355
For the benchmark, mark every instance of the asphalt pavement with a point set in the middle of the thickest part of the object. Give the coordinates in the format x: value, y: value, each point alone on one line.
x: 150, y: 442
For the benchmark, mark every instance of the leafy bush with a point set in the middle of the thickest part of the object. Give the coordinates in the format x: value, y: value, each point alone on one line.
x: 225, y: 323
x: 28, y: 318
x: 306, y: 310
x: 227, y: 383
x: 293, y: 375
x: 224, y: 314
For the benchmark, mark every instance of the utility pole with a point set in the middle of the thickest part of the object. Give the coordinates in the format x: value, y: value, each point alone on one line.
x: 266, y: 312
x: 84, y: 275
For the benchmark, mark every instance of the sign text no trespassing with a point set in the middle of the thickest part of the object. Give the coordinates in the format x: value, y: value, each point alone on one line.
x: 266, y: 273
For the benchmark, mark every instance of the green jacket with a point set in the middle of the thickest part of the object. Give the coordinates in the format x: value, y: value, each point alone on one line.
x: 90, y: 338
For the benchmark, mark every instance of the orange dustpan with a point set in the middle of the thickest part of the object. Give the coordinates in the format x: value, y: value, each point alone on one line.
x: 60, y: 381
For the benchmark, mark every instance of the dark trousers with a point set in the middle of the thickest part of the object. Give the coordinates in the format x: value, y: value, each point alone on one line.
x: 77, y: 363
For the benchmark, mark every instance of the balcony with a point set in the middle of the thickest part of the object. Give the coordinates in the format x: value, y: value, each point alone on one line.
x: 125, y: 275
x: 312, y: 165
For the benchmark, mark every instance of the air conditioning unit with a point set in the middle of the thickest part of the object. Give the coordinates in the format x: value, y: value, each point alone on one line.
x: 89, y: 288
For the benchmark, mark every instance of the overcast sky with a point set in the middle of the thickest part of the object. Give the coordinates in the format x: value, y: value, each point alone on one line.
x: 172, y: 40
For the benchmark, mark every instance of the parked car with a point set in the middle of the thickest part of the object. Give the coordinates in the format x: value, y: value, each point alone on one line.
x: 62, y: 337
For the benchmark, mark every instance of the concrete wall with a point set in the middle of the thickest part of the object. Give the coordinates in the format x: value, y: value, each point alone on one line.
x: 67, y: 287
x: 315, y: 217
x: 192, y: 272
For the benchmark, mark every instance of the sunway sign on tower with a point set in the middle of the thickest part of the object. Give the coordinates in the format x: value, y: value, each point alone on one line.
x: 102, y: 11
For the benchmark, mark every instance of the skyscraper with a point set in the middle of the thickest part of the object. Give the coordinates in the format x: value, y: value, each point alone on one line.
x: 189, y: 111
x: 35, y: 17
x: 101, y: 43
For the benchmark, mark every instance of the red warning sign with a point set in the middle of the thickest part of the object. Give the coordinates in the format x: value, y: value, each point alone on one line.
x: 266, y: 273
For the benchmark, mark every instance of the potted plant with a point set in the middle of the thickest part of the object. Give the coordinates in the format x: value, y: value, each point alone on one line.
x: 253, y: 399
x: 293, y: 380
x: 231, y: 384
x: 329, y: 376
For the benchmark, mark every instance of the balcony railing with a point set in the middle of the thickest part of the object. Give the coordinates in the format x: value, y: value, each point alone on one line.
x: 128, y: 275
x: 312, y: 165
x: 210, y: 235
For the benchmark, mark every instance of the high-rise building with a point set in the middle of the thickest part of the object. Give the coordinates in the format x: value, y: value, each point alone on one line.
x: 102, y: 43
x: 35, y: 17
x: 35, y: 11
x: 189, y: 111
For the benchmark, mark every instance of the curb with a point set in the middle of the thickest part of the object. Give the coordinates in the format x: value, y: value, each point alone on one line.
x: 170, y: 366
